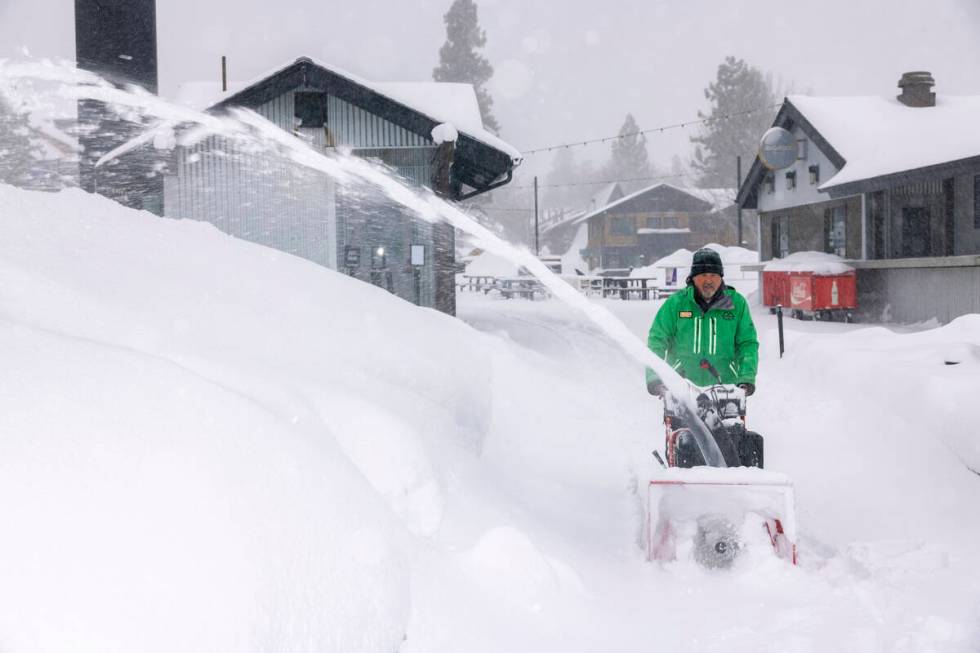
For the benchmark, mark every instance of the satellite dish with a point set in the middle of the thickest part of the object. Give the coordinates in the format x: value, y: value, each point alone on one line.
x: 777, y: 149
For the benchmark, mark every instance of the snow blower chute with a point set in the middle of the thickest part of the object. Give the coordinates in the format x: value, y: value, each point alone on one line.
x: 713, y: 500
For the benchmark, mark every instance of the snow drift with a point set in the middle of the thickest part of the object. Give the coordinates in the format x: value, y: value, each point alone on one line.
x: 206, y: 445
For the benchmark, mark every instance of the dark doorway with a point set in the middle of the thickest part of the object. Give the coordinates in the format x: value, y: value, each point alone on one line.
x: 915, y: 231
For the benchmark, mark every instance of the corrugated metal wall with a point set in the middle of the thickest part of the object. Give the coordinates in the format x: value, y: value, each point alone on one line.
x: 276, y: 203
x: 911, y: 295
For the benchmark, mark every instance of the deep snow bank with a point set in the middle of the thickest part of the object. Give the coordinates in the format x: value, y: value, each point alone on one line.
x: 208, y: 445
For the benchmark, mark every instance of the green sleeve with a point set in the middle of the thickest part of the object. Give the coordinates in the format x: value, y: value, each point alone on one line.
x: 746, y: 346
x: 661, y: 335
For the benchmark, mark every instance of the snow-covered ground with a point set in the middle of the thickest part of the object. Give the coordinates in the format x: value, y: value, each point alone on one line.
x: 206, y: 445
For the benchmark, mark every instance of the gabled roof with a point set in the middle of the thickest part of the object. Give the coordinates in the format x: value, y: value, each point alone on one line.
x: 876, y: 140
x: 604, y: 196
x: 707, y: 200
x: 481, y: 158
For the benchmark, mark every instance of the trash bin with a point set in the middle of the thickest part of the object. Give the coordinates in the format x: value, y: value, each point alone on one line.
x: 823, y: 296
x: 775, y: 289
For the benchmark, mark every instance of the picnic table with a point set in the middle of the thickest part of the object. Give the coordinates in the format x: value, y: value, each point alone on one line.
x: 644, y: 288
x: 524, y: 287
x: 477, y: 283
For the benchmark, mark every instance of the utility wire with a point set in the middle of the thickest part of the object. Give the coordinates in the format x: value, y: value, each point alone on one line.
x: 608, y: 181
x: 679, y: 125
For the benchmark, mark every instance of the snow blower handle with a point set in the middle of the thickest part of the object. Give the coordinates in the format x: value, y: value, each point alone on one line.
x: 706, y: 365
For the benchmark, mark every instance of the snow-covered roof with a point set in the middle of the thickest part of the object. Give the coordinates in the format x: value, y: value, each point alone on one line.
x: 440, y: 101
x: 718, y: 198
x: 665, y: 230
x: 599, y: 200
x: 816, y: 262
x: 602, y: 196
x: 880, y: 135
x: 729, y: 256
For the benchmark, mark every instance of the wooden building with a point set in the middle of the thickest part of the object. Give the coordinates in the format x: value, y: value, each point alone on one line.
x: 296, y: 210
x: 892, y: 185
x: 640, y: 228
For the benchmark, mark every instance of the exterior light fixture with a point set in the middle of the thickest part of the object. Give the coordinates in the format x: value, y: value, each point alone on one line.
x: 770, y: 183
x: 790, y: 180
x: 814, y: 175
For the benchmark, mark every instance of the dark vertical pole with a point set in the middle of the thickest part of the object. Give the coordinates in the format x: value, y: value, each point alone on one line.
x: 779, y: 322
x: 738, y: 184
x: 535, y: 216
x: 224, y: 74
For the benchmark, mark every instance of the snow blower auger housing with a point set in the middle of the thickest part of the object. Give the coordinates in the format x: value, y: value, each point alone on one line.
x: 713, y: 513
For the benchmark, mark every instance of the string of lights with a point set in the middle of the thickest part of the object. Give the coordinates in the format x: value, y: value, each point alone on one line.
x: 607, y: 181
x: 661, y: 129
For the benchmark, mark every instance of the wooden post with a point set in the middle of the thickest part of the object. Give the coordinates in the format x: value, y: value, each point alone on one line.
x: 738, y: 184
x: 535, y: 216
x: 443, y: 233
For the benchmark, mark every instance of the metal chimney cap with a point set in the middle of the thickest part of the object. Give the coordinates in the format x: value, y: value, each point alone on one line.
x: 916, y: 77
x: 917, y: 89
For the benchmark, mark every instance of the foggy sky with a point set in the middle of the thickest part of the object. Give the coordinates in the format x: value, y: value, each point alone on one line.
x: 565, y: 71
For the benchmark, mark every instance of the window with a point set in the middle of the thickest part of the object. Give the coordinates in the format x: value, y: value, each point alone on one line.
x: 915, y: 231
x: 311, y: 109
x: 379, y: 258
x: 622, y: 226
x: 672, y: 222
x: 814, y: 175
x: 876, y: 211
x: 801, y: 149
x: 835, y: 235
x: 976, y: 202
x: 780, y: 237
x: 653, y: 223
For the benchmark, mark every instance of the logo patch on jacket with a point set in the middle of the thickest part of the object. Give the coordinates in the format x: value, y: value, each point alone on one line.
x: 729, y: 315
x: 685, y: 314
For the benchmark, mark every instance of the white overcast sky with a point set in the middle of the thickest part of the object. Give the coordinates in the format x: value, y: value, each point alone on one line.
x: 566, y: 70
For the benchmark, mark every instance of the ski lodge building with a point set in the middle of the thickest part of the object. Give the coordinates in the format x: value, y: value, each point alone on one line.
x: 890, y: 184
x: 306, y: 213
x: 637, y: 229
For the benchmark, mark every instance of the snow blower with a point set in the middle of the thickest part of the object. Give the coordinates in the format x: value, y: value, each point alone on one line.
x: 712, y: 500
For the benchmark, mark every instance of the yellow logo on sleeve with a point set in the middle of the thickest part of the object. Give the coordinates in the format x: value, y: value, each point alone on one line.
x: 685, y: 314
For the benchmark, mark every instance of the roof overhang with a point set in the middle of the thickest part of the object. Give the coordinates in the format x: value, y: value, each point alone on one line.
x: 970, y: 165
x: 478, y: 165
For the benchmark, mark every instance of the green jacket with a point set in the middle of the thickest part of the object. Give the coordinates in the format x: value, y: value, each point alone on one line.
x: 683, y: 335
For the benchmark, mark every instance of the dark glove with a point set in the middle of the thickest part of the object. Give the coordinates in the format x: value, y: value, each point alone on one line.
x: 748, y: 387
x: 656, y: 388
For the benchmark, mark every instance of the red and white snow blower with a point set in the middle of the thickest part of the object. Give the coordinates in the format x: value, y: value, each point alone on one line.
x: 713, y: 500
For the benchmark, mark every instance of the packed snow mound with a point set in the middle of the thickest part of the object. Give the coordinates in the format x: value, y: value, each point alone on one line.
x: 730, y: 257
x: 444, y: 133
x: 816, y: 262
x: 213, y: 446
x: 486, y: 264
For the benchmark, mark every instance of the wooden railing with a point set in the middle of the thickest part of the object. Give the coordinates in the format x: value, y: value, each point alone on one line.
x: 625, y: 288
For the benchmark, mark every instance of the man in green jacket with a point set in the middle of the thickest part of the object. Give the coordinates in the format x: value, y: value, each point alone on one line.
x: 707, y: 321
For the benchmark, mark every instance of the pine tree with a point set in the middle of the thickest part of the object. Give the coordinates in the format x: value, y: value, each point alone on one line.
x: 738, y: 88
x: 630, y: 159
x: 460, y: 61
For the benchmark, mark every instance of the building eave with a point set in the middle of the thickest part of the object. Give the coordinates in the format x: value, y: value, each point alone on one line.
x: 969, y: 165
x: 479, y: 165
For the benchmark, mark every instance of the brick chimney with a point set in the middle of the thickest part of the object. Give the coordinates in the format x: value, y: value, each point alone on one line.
x: 917, y: 89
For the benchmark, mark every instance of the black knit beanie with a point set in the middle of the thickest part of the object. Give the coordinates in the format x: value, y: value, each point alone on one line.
x: 706, y: 261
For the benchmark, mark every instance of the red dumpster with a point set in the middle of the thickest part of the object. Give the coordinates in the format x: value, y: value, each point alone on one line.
x: 823, y: 296
x: 775, y: 288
